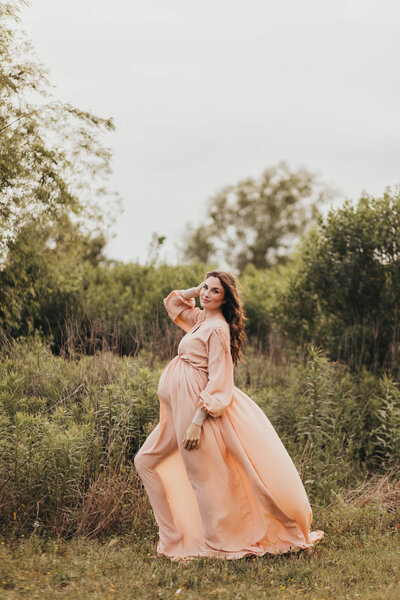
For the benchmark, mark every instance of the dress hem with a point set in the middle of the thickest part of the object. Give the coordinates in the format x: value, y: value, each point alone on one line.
x: 226, y: 555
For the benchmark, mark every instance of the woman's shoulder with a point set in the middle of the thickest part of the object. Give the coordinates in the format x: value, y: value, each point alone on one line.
x: 216, y: 324
x: 217, y: 335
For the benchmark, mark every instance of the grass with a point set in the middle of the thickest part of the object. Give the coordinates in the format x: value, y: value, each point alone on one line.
x: 358, y: 558
x: 76, y: 524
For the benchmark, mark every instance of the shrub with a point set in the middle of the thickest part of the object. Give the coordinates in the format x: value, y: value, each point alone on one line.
x: 345, y: 288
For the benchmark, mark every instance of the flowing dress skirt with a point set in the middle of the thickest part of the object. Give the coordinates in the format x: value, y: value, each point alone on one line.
x: 239, y: 493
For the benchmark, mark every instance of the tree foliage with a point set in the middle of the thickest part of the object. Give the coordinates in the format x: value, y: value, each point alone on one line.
x: 52, y: 158
x: 43, y: 275
x: 56, y: 281
x: 257, y: 221
x: 345, y: 289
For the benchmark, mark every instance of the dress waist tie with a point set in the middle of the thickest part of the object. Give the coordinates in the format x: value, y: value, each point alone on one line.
x: 204, y: 369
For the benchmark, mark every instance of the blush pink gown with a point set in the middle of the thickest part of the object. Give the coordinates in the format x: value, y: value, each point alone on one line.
x: 237, y: 494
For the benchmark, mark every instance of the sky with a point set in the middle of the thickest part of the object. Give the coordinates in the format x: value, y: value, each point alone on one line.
x: 205, y: 94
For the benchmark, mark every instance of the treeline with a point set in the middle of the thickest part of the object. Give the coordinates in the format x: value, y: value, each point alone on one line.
x: 341, y: 291
x: 338, y: 288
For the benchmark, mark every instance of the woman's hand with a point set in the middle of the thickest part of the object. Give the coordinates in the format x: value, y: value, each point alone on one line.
x: 198, y: 289
x: 192, y: 437
x: 192, y: 292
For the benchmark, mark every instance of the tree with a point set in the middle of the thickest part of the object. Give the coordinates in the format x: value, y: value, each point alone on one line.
x: 258, y: 220
x: 345, y: 288
x: 43, y: 276
x: 52, y: 160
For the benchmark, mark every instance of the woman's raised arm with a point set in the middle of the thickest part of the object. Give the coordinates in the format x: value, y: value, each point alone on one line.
x: 181, y: 307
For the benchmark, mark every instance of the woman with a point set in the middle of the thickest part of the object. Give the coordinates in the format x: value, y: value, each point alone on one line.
x: 220, y: 481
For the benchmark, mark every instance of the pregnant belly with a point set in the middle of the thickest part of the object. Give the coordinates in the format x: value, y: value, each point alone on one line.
x: 181, y: 381
x: 168, y: 381
x: 163, y: 389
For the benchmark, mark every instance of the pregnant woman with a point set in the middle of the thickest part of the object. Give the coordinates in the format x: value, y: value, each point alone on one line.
x: 219, y: 479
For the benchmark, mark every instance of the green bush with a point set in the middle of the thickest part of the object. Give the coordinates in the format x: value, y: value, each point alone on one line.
x: 336, y: 426
x: 56, y: 281
x: 344, y: 292
x: 64, y: 425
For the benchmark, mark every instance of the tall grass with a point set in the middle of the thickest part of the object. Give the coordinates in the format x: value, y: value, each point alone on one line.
x: 70, y: 428
x: 338, y: 427
x: 69, y: 432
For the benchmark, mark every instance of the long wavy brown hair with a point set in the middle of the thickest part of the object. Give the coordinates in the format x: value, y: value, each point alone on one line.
x: 233, y: 312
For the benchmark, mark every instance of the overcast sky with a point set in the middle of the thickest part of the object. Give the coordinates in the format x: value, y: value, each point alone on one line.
x: 204, y: 94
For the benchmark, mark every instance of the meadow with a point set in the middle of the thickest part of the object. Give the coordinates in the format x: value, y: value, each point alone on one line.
x: 76, y: 523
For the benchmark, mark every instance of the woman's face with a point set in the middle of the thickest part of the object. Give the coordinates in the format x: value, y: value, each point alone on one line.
x: 212, y: 293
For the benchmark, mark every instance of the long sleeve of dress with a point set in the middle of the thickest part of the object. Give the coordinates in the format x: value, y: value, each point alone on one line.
x: 200, y: 416
x: 182, y: 311
x: 217, y: 395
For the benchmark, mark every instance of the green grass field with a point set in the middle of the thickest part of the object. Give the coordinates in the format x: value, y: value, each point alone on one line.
x: 358, y: 558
